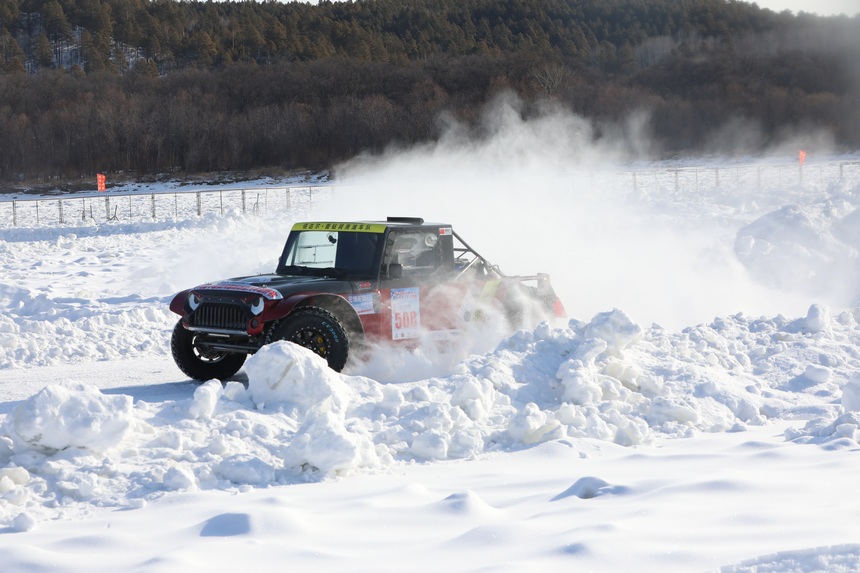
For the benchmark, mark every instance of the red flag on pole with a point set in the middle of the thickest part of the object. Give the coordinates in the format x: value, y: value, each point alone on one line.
x: 100, y: 179
x: 801, y: 156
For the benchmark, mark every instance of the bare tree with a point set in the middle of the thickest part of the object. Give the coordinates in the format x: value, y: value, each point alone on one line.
x: 550, y: 76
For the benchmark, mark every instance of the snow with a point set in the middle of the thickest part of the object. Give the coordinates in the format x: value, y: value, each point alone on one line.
x: 611, y: 441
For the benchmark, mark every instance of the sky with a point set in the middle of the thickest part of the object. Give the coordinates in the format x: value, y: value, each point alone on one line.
x: 698, y: 409
x: 820, y: 7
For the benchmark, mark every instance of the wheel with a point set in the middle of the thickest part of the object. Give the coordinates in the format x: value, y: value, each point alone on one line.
x: 524, y: 307
x: 317, y: 330
x: 197, y: 361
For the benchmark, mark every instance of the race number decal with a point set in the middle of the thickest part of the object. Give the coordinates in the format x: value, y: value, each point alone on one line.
x: 405, y: 313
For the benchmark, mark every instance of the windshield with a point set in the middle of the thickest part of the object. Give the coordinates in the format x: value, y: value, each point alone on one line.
x: 330, y: 253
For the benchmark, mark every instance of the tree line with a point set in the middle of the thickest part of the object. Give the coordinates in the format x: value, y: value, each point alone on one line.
x: 151, y: 87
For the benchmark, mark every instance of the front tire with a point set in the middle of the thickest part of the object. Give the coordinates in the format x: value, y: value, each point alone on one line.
x: 199, y: 363
x: 317, y: 330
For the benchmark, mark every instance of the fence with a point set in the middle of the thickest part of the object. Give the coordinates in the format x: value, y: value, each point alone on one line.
x: 752, y: 181
x: 748, y: 178
x: 75, y: 209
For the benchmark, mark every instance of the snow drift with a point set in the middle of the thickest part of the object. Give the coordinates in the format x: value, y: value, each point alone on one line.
x: 298, y: 421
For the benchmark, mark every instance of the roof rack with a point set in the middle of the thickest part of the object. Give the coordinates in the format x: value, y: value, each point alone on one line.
x: 412, y: 220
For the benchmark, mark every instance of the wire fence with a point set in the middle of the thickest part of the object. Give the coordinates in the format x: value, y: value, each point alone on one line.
x: 747, y: 178
x: 749, y: 181
x: 73, y: 210
x: 741, y: 179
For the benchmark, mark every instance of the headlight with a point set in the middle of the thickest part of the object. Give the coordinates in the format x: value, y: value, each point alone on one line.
x: 193, y: 301
x: 257, y: 306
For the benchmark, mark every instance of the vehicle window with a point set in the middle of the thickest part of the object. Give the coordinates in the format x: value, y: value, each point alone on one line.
x: 346, y: 251
x: 416, y: 251
x: 356, y: 252
x: 314, y: 249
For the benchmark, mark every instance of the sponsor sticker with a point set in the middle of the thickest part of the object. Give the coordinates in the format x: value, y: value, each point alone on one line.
x: 362, y: 303
x: 330, y: 226
x: 446, y: 335
x: 468, y: 307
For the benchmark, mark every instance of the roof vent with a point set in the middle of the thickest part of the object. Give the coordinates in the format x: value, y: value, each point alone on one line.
x: 410, y: 220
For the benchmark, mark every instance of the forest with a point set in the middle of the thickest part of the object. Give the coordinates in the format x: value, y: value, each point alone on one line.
x: 144, y: 88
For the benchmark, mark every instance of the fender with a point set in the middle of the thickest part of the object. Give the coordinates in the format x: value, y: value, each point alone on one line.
x: 334, y: 303
x: 177, y: 305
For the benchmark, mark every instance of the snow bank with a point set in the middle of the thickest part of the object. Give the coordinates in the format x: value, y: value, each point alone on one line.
x: 70, y: 415
x: 102, y: 293
x: 811, y: 247
x: 607, y: 379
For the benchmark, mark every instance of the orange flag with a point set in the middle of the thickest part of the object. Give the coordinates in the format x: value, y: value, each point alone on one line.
x: 100, y: 179
x: 801, y: 156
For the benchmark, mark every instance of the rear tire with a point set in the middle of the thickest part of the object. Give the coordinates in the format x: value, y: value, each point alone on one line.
x: 317, y: 330
x: 197, y: 362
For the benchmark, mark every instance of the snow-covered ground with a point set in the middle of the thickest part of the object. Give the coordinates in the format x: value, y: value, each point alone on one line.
x: 699, y: 411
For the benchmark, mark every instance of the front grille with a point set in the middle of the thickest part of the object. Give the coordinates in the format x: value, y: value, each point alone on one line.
x: 220, y: 315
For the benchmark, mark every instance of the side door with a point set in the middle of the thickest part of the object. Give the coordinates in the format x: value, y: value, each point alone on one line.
x: 417, y: 285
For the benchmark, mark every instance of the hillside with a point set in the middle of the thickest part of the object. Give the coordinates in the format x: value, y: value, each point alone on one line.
x: 145, y: 88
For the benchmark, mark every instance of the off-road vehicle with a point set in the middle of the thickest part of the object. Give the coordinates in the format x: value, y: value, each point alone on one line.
x: 341, y: 286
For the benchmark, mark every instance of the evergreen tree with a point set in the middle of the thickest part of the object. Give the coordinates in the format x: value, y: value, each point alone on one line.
x: 44, y: 51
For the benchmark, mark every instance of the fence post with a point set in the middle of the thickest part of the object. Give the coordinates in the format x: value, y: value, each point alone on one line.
x: 14, y: 213
x: 676, y: 181
x: 153, y: 205
x: 107, y: 208
x: 60, y: 208
x: 718, y: 177
x: 37, y: 212
x: 288, y: 198
x: 221, y: 199
x: 176, y: 205
x: 243, y: 201
x: 758, y: 178
x: 199, y: 204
